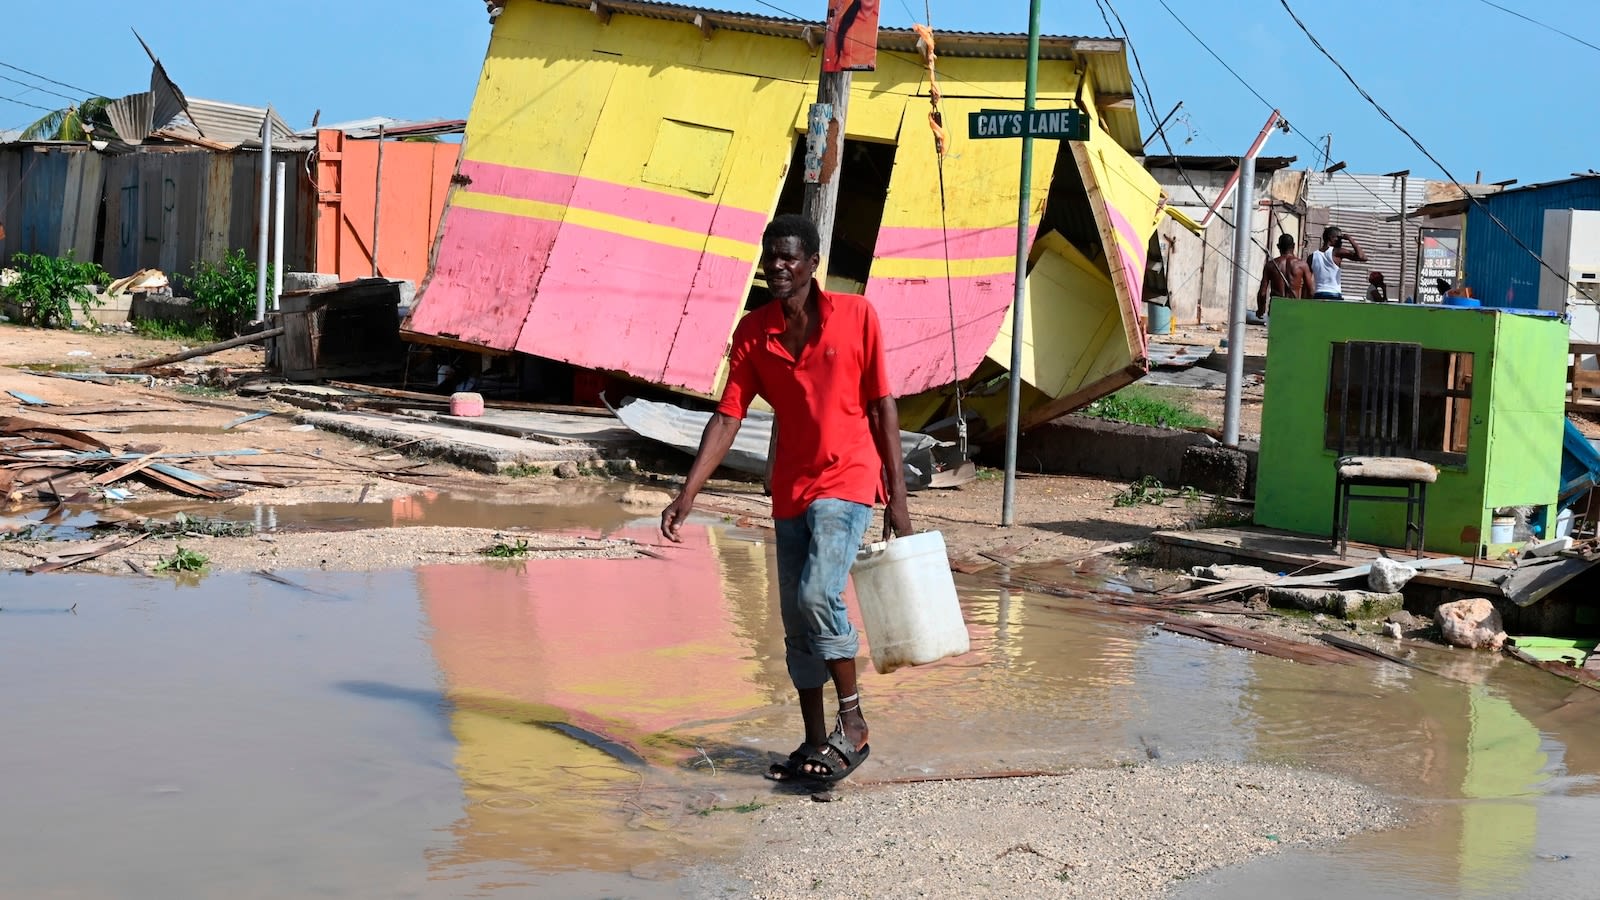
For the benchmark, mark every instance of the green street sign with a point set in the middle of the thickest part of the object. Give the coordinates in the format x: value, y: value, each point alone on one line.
x: 1058, y: 124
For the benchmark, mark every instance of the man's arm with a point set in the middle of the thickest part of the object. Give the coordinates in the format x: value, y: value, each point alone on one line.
x: 715, y: 442
x: 1263, y: 292
x: 884, y: 419
x: 1353, y: 254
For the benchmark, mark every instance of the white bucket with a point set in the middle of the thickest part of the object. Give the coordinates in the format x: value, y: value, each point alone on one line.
x: 908, y: 602
x: 1502, y: 529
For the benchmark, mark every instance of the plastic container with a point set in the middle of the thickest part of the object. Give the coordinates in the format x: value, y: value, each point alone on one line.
x: 465, y: 404
x: 1563, y: 524
x: 908, y: 602
x: 1159, y: 317
x: 1502, y: 529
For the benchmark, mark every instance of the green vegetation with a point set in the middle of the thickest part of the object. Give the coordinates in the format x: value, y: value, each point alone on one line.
x: 1146, y: 406
x: 1147, y: 490
x: 175, y: 331
x: 46, y: 287
x: 183, y: 524
x: 522, y: 470
x: 750, y: 807
x: 200, y: 390
x: 504, y: 550
x: 182, y: 560
x: 68, y: 124
x: 1218, y: 514
x: 225, y: 293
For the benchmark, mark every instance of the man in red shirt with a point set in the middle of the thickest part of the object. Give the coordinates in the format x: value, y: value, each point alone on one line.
x: 817, y: 358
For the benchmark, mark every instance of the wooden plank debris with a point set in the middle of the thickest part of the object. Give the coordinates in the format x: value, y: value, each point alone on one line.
x: 83, y: 554
x: 103, y: 409
x: 420, y: 397
x: 126, y: 469
x: 41, y: 431
x: 192, y: 352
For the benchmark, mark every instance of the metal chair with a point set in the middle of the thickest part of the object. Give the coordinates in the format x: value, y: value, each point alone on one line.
x: 1380, y: 405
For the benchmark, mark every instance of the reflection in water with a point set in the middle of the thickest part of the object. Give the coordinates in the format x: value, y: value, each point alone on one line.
x: 577, y: 716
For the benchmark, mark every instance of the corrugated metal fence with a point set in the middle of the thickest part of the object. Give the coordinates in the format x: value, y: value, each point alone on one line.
x: 1499, y: 272
x: 161, y: 209
x: 1359, y: 204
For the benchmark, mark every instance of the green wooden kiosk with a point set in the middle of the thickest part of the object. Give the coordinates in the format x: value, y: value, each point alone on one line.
x: 1492, y: 416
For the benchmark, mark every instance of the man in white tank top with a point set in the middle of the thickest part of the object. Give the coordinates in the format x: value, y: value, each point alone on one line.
x: 1325, y: 263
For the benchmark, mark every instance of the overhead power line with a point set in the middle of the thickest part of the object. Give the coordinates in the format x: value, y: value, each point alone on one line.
x: 26, y: 103
x: 42, y: 90
x: 1418, y: 144
x: 1545, y: 25
x: 83, y: 91
x: 1270, y: 105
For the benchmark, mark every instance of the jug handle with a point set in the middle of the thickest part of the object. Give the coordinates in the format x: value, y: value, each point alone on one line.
x: 873, y: 549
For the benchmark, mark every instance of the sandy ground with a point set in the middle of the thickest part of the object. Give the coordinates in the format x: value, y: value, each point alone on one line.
x: 1107, y: 833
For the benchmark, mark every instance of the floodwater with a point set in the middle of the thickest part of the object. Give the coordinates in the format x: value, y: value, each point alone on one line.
x: 591, y: 727
x: 569, y: 510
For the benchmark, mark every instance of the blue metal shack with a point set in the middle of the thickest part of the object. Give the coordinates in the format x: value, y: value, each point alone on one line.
x: 1499, y: 272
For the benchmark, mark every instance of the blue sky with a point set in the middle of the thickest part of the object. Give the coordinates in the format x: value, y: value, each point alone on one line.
x: 1480, y: 88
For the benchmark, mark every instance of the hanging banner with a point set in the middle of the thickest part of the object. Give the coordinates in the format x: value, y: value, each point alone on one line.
x: 852, y: 40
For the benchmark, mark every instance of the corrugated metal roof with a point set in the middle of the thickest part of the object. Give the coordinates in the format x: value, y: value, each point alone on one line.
x: 368, y: 127
x: 998, y: 45
x: 1217, y: 163
x: 1369, y: 193
x: 1104, y: 57
x: 233, y: 123
x: 131, y: 116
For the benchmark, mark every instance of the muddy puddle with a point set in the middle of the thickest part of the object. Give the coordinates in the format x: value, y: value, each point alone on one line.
x: 587, y: 512
x: 587, y: 728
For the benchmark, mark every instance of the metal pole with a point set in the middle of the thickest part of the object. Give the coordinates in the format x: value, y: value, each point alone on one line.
x: 1008, y: 513
x: 266, y: 216
x: 1402, y: 288
x: 1243, y: 213
x: 377, y: 203
x: 277, y: 234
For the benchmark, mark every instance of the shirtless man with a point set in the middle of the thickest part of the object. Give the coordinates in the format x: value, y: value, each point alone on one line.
x: 1285, y: 276
x: 1326, y: 262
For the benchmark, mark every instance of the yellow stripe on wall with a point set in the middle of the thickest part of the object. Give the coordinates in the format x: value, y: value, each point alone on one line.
x: 619, y: 225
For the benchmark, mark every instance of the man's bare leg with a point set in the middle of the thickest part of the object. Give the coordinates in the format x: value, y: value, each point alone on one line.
x: 814, y: 712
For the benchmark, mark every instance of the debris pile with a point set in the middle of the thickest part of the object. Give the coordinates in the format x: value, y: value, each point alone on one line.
x: 56, y: 465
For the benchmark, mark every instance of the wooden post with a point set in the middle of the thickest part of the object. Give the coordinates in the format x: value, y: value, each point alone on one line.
x: 821, y: 198
x: 824, y: 157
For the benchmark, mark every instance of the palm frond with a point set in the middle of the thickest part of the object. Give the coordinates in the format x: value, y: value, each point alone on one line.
x: 67, y: 124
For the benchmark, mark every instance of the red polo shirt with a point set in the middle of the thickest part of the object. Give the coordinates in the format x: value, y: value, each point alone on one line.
x: 825, y: 447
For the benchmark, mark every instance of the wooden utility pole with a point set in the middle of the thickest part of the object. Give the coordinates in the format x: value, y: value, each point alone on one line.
x: 824, y: 156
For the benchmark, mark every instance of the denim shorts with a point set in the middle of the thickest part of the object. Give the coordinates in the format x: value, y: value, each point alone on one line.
x: 815, y: 552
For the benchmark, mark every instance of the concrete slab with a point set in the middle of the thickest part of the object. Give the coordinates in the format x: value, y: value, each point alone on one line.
x: 473, y: 449
x: 549, y: 427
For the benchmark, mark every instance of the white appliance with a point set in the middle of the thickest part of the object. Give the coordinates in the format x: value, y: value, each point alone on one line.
x: 1572, y: 246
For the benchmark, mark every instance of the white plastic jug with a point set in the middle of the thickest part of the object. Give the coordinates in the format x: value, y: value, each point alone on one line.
x: 908, y: 602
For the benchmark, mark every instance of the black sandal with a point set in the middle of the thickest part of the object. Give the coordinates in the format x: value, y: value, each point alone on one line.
x: 840, y: 747
x: 789, y: 769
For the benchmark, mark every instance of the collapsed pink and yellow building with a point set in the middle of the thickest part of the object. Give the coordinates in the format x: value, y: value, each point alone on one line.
x: 621, y: 160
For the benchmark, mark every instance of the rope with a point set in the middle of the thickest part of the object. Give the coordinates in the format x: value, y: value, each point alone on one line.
x: 926, y: 44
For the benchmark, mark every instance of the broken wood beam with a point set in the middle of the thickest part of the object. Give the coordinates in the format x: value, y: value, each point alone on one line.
x: 192, y: 352
x: 123, y: 471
